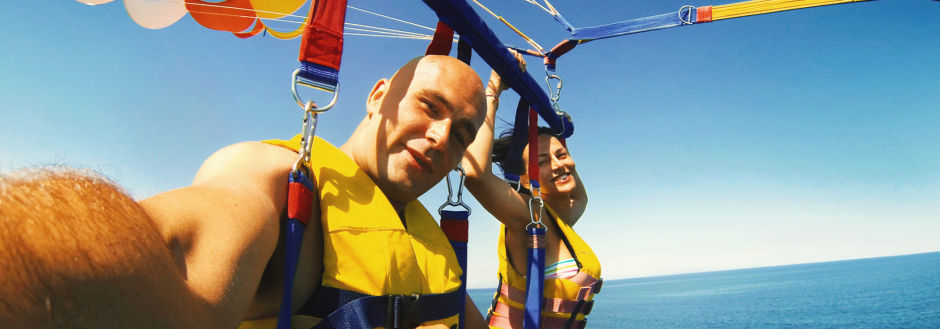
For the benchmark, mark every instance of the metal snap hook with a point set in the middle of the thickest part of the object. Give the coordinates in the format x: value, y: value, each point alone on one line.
x: 450, y: 192
x: 307, y: 134
x: 535, y: 222
x: 555, y: 93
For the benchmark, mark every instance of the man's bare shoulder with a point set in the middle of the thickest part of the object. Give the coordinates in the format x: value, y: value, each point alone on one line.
x: 248, y: 160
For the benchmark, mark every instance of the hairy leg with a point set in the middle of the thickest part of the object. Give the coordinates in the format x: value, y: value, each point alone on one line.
x: 77, y: 252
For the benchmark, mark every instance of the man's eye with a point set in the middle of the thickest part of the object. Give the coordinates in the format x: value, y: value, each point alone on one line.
x: 431, y: 107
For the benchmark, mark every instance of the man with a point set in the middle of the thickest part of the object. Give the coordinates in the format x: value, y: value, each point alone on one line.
x: 78, y: 253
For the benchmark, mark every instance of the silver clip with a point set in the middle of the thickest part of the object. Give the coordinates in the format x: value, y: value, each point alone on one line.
x: 450, y: 192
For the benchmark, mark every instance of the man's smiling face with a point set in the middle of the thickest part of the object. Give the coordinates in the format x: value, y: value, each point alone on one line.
x: 423, y: 121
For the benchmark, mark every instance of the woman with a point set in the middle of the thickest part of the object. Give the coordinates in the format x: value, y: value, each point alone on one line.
x: 570, y: 279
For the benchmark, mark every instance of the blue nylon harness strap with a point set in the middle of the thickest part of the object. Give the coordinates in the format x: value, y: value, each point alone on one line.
x: 345, y: 309
x: 535, y: 279
x: 519, y: 138
x: 685, y: 16
x: 460, y: 248
x: 294, y: 239
x: 464, y: 20
x: 319, y: 76
x: 464, y: 51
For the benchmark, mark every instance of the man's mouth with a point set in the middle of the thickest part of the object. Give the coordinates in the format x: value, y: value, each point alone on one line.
x: 420, y: 162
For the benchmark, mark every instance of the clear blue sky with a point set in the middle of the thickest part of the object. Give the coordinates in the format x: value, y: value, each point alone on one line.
x: 794, y: 137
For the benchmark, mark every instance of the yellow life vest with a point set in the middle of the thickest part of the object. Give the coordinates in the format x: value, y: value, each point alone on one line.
x: 366, y: 248
x: 562, y: 297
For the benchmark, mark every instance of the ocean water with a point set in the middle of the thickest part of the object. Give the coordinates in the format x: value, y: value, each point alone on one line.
x: 886, y: 292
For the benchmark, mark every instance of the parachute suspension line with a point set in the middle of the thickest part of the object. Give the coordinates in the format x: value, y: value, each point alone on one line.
x: 383, y: 32
x: 540, y: 6
x: 758, y: 7
x: 527, y: 39
x: 391, y: 18
x: 375, y: 32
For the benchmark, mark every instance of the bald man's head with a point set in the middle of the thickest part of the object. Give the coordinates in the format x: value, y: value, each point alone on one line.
x: 419, y: 124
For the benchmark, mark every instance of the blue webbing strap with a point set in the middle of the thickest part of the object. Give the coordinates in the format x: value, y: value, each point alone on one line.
x: 460, y: 248
x: 295, y: 234
x: 535, y: 279
x: 464, y: 51
x: 344, y: 309
x: 319, y: 76
x: 685, y: 16
x: 519, y: 139
x: 464, y: 20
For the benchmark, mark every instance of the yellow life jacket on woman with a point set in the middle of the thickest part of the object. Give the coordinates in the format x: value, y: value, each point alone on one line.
x: 366, y: 250
x: 567, y: 301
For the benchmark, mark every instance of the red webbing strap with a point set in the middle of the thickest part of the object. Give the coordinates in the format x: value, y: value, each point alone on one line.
x: 533, y: 146
x: 455, y: 229
x: 442, y: 42
x: 298, y: 202
x: 559, y: 50
x: 323, y: 37
x: 703, y: 14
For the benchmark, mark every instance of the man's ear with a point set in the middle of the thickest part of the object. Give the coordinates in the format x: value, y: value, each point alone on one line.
x: 379, y: 91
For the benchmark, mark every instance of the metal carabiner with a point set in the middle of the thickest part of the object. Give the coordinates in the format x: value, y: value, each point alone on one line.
x: 532, y: 215
x: 450, y: 192
x: 555, y: 93
x: 306, y: 136
x: 293, y: 87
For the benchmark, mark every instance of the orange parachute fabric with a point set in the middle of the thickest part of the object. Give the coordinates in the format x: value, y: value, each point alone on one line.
x: 244, y: 18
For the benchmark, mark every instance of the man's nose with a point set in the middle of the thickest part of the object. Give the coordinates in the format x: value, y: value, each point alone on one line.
x: 439, y: 134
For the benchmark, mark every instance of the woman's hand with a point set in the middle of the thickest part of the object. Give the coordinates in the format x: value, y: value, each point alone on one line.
x: 496, y: 86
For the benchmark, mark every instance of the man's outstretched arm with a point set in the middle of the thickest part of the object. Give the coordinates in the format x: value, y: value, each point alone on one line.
x: 77, y: 252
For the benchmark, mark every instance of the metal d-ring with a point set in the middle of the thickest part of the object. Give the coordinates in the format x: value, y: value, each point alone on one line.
x: 293, y: 87
x: 686, y: 20
x: 450, y: 192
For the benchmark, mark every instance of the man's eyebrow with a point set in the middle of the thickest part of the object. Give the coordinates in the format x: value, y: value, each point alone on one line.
x: 463, y: 123
x: 438, y: 97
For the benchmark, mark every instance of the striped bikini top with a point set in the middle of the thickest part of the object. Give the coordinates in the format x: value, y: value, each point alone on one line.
x: 565, y: 269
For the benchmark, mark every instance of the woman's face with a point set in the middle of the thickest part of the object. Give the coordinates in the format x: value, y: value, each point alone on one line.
x: 556, y: 167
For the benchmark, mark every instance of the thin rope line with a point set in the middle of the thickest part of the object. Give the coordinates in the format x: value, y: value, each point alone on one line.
x: 382, y: 28
x: 527, y: 39
x: 391, y: 33
x: 384, y: 32
x: 391, y: 18
x: 388, y: 36
x: 540, y: 6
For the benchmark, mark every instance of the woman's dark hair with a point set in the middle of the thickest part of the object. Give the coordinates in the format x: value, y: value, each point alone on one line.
x: 501, y: 150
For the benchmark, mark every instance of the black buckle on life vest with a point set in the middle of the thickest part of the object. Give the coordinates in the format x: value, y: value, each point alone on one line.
x: 598, y: 285
x: 403, y: 311
x: 588, y: 307
x: 583, y: 323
